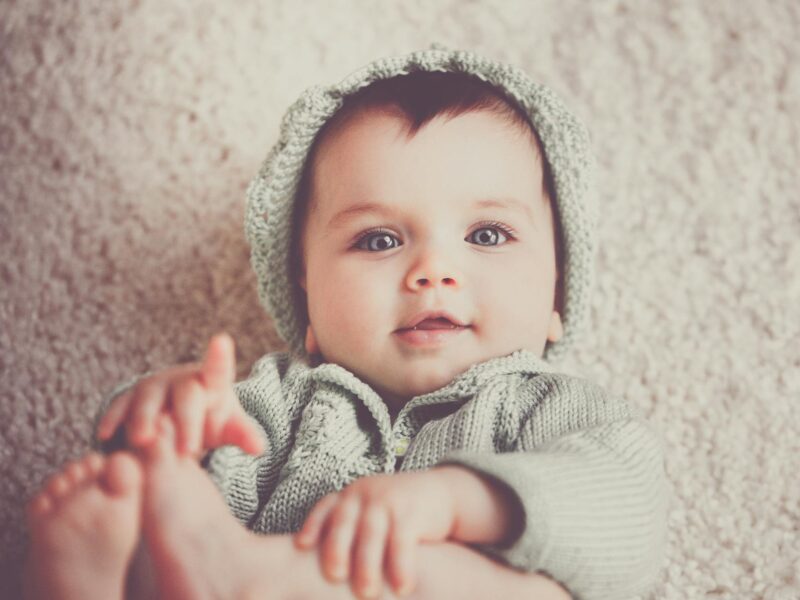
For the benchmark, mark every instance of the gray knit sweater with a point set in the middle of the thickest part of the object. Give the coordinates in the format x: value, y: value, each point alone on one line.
x: 584, y: 467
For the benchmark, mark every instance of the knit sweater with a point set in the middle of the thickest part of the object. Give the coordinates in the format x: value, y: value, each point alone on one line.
x: 584, y: 468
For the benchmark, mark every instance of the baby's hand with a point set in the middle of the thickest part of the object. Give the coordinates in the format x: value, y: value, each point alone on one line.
x: 390, y: 513
x: 200, y: 398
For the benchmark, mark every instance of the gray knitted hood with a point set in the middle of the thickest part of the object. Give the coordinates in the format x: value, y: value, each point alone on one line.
x: 271, y: 193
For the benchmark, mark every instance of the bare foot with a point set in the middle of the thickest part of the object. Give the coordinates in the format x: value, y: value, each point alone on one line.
x: 83, y: 527
x: 198, y: 549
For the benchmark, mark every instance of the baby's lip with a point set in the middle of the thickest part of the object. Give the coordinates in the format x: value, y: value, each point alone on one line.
x: 432, y: 315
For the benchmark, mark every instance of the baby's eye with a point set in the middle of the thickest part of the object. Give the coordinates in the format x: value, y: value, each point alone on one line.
x: 376, y: 241
x: 489, y: 235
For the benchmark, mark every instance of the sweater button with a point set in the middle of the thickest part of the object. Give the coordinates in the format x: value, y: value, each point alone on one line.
x: 401, y: 446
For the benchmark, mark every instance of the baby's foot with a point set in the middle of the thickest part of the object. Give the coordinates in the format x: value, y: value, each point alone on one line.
x: 83, y: 527
x: 197, y: 548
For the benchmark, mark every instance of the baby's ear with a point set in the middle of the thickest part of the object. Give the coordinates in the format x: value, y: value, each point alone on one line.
x: 556, y: 329
x: 311, y: 342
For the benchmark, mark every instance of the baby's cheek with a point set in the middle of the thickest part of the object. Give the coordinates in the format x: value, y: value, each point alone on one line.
x: 345, y: 320
x: 350, y: 314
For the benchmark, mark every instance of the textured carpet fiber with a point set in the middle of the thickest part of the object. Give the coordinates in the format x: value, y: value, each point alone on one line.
x: 129, y: 131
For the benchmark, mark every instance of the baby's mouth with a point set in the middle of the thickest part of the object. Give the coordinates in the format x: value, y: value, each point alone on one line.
x: 430, y: 333
x: 439, y: 323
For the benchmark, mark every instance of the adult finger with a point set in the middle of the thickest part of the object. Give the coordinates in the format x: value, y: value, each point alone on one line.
x: 369, y: 550
x: 219, y: 362
x: 189, y: 405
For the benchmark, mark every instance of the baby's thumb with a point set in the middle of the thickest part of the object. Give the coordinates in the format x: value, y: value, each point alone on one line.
x: 219, y: 362
x: 240, y: 430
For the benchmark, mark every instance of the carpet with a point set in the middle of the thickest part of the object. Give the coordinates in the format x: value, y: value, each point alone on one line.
x: 130, y: 129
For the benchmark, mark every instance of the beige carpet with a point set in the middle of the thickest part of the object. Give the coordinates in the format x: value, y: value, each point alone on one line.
x: 129, y: 131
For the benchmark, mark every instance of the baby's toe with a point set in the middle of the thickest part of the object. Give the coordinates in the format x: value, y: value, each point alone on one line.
x: 76, y: 473
x: 39, y: 506
x: 122, y: 475
x: 94, y: 463
x: 58, y: 486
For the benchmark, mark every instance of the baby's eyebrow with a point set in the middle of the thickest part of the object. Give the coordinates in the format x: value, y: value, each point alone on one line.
x: 342, y: 217
x: 524, y: 207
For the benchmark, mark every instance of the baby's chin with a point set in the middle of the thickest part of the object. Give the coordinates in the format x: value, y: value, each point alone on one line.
x: 409, y: 378
x: 419, y: 379
x: 419, y: 382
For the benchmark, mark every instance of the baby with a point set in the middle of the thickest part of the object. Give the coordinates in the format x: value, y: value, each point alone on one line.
x: 422, y: 234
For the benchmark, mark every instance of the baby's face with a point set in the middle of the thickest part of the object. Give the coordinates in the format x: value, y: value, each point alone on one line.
x: 453, y: 219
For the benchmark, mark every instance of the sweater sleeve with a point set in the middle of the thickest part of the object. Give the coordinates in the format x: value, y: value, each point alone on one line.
x: 587, y: 476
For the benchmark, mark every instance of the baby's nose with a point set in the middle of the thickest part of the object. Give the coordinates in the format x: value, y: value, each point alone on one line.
x: 433, y: 271
x: 425, y: 282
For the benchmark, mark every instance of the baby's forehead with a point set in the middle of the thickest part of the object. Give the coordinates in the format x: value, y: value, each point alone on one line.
x: 490, y: 152
x: 371, y: 123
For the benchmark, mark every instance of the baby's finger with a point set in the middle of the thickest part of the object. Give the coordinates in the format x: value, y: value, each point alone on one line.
x: 148, y: 399
x: 222, y: 404
x: 400, y: 554
x: 189, y: 408
x: 114, y: 415
x: 309, y: 533
x: 214, y: 426
x: 338, y: 535
x: 219, y: 362
x: 240, y: 430
x: 368, y: 568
